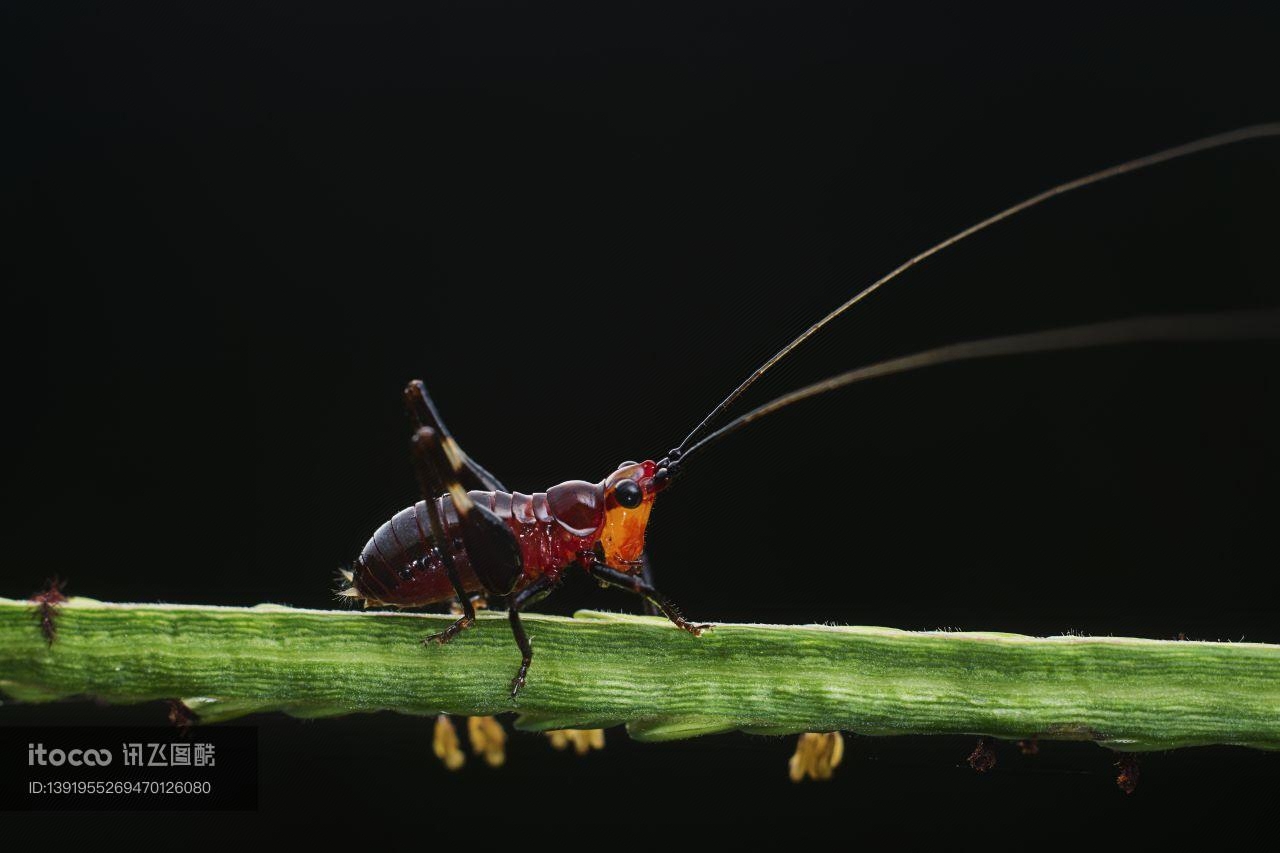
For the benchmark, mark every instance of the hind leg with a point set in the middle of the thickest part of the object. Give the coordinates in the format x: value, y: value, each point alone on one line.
x: 424, y: 413
x: 422, y: 448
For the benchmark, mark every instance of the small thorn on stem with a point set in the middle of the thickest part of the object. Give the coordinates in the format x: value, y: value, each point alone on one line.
x: 48, y: 601
x: 181, y: 717
x: 983, y: 757
x: 1127, y: 779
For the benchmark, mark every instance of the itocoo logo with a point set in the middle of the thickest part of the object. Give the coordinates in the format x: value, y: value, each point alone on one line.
x: 37, y: 754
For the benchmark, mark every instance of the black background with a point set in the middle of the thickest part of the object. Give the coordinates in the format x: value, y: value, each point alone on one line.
x: 240, y: 232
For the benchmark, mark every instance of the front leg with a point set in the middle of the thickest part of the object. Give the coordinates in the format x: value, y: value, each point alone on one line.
x: 637, y: 584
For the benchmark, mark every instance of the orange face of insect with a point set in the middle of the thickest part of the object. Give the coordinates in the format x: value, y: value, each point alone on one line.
x: 628, y: 499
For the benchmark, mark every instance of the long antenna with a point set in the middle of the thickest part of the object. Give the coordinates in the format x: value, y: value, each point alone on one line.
x: 1230, y: 325
x: 1242, y: 134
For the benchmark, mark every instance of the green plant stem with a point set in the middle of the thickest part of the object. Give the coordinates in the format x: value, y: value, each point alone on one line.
x: 601, y: 669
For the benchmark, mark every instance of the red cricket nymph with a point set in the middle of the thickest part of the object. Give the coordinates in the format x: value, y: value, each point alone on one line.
x: 504, y: 543
x: 575, y: 522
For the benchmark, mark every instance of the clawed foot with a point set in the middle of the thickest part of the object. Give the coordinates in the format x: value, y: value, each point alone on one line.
x: 448, y: 633
x: 696, y: 630
x: 517, y: 683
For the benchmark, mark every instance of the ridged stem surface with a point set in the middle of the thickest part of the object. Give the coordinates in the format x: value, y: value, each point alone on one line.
x: 602, y: 669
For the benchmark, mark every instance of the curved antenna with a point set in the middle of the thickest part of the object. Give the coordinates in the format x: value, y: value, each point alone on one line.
x: 1224, y: 326
x: 1231, y: 137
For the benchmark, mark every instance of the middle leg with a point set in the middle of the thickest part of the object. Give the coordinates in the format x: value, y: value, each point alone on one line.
x: 529, y: 595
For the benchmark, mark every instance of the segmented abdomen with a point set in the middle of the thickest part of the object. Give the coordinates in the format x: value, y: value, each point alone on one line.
x: 401, y: 565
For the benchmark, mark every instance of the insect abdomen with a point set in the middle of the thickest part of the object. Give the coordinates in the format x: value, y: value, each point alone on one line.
x: 401, y: 565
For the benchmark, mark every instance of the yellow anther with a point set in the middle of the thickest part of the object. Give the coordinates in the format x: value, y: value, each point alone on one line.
x: 446, y: 745
x: 582, y: 740
x: 817, y: 755
x: 488, y: 739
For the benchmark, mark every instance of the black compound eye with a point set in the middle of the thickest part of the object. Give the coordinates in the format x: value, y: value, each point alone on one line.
x: 628, y: 494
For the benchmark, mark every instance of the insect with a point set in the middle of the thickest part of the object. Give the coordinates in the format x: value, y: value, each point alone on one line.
x: 471, y: 535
